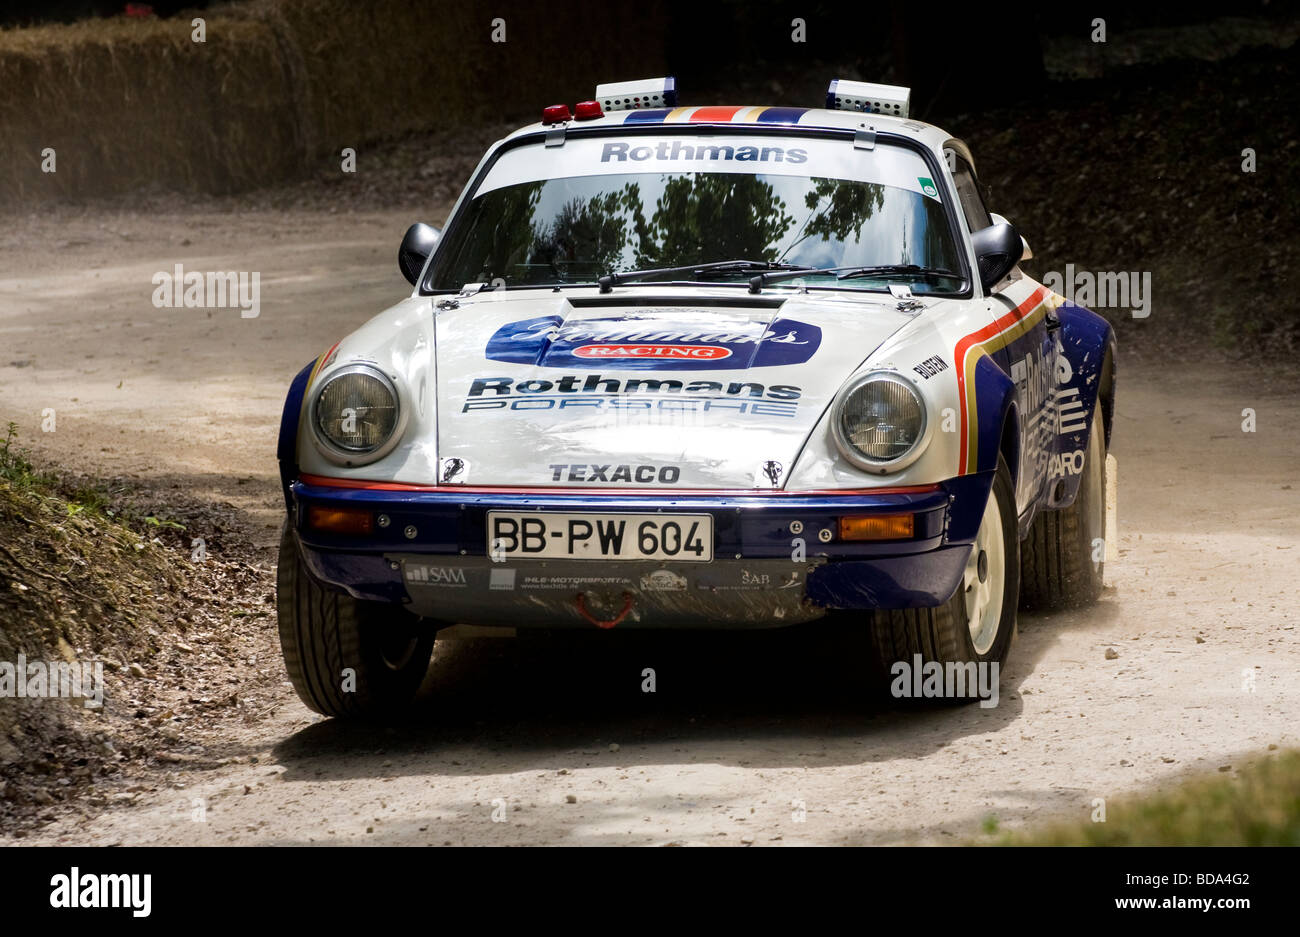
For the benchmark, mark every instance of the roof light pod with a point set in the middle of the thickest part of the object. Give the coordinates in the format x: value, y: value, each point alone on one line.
x: 870, y: 98
x: 635, y: 95
x: 587, y: 110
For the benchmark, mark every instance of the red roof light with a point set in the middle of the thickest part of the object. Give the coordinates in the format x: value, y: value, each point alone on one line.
x: 556, y: 113
x: 588, y: 110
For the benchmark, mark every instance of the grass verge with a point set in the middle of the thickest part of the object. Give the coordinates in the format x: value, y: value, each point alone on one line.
x: 1259, y: 806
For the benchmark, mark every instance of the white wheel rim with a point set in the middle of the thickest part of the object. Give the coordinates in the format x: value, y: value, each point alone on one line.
x: 984, y: 593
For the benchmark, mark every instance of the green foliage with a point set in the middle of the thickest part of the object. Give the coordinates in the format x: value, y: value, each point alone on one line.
x: 16, y: 468
x: 1260, y: 807
x: 18, y: 472
x: 159, y: 522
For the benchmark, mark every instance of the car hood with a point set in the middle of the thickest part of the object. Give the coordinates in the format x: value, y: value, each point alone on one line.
x: 687, y: 390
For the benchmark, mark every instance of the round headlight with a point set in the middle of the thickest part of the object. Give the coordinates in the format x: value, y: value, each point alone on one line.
x: 356, y: 410
x: 879, y: 422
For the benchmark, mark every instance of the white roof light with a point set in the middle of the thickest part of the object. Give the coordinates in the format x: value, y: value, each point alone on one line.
x: 870, y: 98
x: 635, y: 95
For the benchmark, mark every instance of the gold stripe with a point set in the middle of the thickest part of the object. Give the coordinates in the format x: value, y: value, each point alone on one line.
x: 973, y: 354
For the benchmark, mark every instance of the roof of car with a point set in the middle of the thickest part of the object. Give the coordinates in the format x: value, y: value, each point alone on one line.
x: 777, y: 118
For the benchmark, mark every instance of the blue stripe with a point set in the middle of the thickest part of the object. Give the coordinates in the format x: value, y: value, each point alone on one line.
x: 654, y: 115
x: 782, y: 115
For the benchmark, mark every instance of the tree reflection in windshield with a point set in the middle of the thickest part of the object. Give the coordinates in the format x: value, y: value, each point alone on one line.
x: 591, y: 234
x: 575, y: 229
x: 712, y: 217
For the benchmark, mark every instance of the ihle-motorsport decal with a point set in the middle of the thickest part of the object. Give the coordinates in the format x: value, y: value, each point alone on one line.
x: 653, y: 344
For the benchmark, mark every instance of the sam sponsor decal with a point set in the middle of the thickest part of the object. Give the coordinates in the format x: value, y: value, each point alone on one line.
x: 435, y: 575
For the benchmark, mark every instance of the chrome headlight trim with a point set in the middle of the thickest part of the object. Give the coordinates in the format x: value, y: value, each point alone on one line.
x: 851, y: 453
x: 338, y: 454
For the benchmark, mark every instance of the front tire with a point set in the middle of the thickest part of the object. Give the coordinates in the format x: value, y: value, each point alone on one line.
x: 1058, y: 569
x: 345, y: 657
x: 979, y: 622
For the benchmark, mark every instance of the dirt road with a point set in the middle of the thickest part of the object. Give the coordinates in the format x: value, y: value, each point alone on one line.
x: 750, y: 738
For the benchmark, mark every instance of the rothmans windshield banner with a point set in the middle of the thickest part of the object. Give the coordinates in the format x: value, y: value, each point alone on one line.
x: 691, y: 153
x: 657, y: 344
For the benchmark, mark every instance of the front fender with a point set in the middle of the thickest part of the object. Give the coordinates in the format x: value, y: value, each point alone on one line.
x: 286, y: 449
x: 1085, y: 369
x: 995, y: 403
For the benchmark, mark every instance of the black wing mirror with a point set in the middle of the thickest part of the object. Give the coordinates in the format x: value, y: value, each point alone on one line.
x: 416, y: 247
x: 997, y: 251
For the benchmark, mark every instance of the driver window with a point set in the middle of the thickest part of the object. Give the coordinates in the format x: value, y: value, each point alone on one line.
x: 968, y: 193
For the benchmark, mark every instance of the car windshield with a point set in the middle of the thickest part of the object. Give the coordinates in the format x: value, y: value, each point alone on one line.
x: 524, y: 227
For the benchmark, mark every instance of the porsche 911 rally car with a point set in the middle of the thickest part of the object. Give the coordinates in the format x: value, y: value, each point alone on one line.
x: 698, y: 367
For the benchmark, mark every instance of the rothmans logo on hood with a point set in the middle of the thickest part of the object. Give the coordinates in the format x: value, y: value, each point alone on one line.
x: 654, y: 344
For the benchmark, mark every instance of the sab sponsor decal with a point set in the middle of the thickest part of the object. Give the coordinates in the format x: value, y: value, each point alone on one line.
x: 644, y: 474
x: 645, y: 343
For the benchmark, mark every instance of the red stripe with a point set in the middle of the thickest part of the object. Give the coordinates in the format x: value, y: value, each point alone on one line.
x: 356, y: 483
x: 326, y: 357
x: 715, y: 115
x: 983, y: 335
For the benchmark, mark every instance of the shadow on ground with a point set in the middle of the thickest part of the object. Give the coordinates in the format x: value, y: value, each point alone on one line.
x: 780, y: 698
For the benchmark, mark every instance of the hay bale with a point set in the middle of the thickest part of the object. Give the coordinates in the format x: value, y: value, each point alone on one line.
x: 126, y: 103
x: 278, y: 86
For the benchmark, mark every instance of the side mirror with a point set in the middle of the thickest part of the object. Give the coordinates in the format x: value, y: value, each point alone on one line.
x: 1027, y: 254
x: 998, y: 249
x: 416, y: 247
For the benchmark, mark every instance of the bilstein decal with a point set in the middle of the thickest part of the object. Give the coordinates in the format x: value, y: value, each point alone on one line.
x: 647, y: 343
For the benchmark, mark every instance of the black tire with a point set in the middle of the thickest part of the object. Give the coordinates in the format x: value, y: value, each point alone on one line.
x: 942, y: 634
x: 1056, y: 560
x: 323, y: 633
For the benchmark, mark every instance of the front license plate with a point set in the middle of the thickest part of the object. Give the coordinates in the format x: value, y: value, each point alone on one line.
x: 535, y: 535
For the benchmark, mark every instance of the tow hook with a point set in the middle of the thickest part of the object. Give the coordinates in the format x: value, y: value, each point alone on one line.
x: 581, y: 601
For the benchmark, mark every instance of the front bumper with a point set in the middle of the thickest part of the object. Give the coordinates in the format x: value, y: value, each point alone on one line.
x: 777, y: 559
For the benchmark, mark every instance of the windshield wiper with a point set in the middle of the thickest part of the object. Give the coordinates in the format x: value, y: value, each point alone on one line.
x: 908, y: 270
x: 912, y: 271
x: 608, y: 281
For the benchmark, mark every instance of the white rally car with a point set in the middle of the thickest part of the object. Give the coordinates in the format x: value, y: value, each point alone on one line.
x: 698, y: 367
